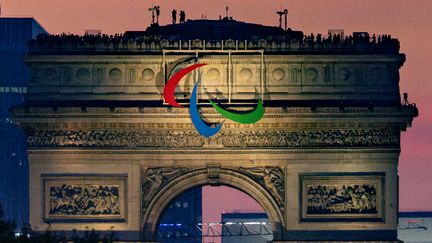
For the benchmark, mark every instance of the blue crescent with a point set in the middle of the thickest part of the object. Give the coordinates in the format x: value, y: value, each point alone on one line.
x: 200, y: 125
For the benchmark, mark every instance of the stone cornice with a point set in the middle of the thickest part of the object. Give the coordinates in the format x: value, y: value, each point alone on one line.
x: 136, y: 151
x: 165, y: 112
x: 157, y: 58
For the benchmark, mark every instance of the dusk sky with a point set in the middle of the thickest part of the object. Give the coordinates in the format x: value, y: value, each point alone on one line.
x: 409, y: 21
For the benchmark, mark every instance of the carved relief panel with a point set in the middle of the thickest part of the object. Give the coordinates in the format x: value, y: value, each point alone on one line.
x: 84, y: 198
x: 342, y: 197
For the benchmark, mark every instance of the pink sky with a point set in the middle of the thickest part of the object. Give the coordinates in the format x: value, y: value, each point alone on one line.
x: 409, y: 21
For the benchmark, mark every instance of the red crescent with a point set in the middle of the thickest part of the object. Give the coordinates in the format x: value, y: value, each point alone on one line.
x: 172, y: 84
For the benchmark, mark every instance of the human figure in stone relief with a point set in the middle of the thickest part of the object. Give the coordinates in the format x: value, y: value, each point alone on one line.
x: 64, y: 202
x: 156, y: 177
x: 271, y: 179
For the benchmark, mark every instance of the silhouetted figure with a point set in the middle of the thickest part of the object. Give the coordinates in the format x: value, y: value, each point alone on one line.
x: 318, y: 39
x: 157, y: 13
x: 182, y: 16
x: 174, y: 16
x: 346, y: 41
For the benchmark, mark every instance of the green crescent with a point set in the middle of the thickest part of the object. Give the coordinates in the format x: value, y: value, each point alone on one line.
x: 244, y: 118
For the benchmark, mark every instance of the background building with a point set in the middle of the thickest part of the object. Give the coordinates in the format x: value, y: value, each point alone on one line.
x: 415, y: 226
x: 14, y: 35
x: 246, y: 227
x: 181, y: 218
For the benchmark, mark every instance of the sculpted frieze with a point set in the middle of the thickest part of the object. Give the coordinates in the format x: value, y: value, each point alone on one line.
x: 229, y: 138
x: 115, y: 138
x: 82, y: 197
x: 84, y: 200
x: 340, y: 199
x: 328, y: 138
x: 342, y: 196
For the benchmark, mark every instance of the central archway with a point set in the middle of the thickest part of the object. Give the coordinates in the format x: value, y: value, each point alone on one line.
x: 210, y: 176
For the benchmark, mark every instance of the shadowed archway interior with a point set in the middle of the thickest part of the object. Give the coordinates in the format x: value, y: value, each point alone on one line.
x: 214, y: 214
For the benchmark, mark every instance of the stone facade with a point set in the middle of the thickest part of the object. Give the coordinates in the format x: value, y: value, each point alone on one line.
x: 106, y: 153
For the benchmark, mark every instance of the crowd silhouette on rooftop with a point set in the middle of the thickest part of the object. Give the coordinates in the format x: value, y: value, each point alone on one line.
x: 356, y: 38
x: 309, y: 42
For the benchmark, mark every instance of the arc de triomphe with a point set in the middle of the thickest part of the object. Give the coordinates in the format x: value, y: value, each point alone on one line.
x: 107, y: 153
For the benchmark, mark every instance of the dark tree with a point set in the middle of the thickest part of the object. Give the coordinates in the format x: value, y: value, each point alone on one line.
x: 6, y: 228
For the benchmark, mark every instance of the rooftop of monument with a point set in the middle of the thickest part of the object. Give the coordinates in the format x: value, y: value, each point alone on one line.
x: 222, y: 29
x: 223, y: 34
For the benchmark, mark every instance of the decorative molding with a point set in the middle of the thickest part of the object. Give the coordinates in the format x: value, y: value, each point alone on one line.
x: 103, y: 113
x: 145, y: 111
x: 214, y: 175
x: 147, y: 151
x: 267, y: 126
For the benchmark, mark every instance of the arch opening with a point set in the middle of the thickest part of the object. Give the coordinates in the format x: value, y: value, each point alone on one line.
x: 160, y: 204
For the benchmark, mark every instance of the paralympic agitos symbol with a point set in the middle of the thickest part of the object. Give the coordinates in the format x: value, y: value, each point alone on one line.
x: 202, y: 127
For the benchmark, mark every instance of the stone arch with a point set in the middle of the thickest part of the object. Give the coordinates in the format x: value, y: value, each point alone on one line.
x: 205, y: 176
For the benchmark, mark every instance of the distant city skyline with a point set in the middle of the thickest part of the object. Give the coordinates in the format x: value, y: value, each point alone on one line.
x: 409, y: 21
